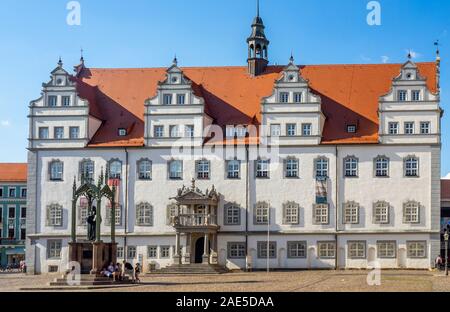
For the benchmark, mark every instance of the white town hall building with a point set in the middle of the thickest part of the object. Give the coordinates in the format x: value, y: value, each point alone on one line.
x: 328, y: 166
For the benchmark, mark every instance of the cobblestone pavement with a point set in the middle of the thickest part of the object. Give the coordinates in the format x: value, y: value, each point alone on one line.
x: 299, y: 281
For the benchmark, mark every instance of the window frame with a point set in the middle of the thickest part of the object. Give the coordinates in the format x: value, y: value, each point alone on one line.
x: 351, y: 211
x: 381, y: 169
x: 156, y: 131
x: 386, y: 256
x: 145, y: 175
x: 289, y: 246
x: 272, y: 252
x: 203, y: 169
x: 235, y: 215
x: 114, y: 175
x: 357, y: 256
x: 189, y: 131
x: 261, y: 213
x: 51, y: 165
x: 317, y: 162
x: 131, y: 252
x: 309, y: 130
x: 427, y: 128
x: 167, y: 98
x: 54, y: 249
x: 179, y: 174
x: 290, y: 218
x: 152, y: 252
x: 56, y: 133
x: 284, y: 97
x: 298, y: 97
x: 415, y: 256
x: 409, y: 127
x: 409, y: 161
x: 144, y: 214
x: 321, y: 219
x: 240, y: 247
x: 330, y: 252
x: 71, y: 136
x: 288, y: 130
x: 40, y: 133
x: 378, y: 214
x: 275, y: 127
x: 393, y: 128
x: 354, y: 167
x: 402, y: 95
x: 291, y: 171
x: 227, y: 168
x: 162, y: 251
x: 411, y: 217
x: 262, y: 168
x: 50, y: 102
x: 55, y: 216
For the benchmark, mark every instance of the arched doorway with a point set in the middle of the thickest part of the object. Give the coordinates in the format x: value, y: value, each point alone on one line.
x: 199, y: 250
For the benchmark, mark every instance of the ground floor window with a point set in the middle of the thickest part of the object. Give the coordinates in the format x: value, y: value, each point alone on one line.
x: 357, y: 250
x: 236, y: 250
x: 54, y: 249
x: 327, y: 250
x: 131, y: 252
x: 165, y: 252
x: 262, y: 250
x: 120, y: 252
x: 296, y: 249
x: 386, y: 249
x: 417, y: 249
x: 152, y: 252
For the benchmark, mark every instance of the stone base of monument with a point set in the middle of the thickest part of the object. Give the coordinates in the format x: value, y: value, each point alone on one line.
x: 92, y: 257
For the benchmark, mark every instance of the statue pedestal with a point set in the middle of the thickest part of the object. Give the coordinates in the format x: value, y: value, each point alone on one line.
x: 102, y: 255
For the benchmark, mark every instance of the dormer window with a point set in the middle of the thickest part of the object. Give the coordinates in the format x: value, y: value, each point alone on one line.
x: 351, y: 129
x: 52, y: 100
x: 123, y: 132
x: 298, y: 97
x: 167, y: 99
x: 402, y: 95
x: 284, y: 97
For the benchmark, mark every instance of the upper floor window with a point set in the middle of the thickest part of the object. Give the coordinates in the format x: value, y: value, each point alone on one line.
x: 144, y: 215
x: 181, y: 99
x: 409, y: 127
x: 351, y: 213
x: 320, y: 213
x: 411, y: 211
x: 66, y: 101
x: 203, y: 169
x: 381, y: 212
x: 24, y: 192
x: 74, y: 132
x: 158, y: 131
x: 284, y: 97
x: 117, y: 217
x: 1, y: 192
x: 12, y: 192
x: 172, y: 212
x: 167, y: 99
x: 56, y: 168
x: 262, y: 168
x: 115, y: 169
x: 86, y: 171
x: 411, y: 166
x: 393, y: 128
x: 321, y: 167
x: 233, y: 169
x: 52, y: 100
x: 261, y: 213
x: 59, y: 133
x: 232, y: 214
x: 144, y: 169
x: 175, y: 169
x: 298, y: 97
x: 275, y: 130
x: 291, y: 129
x: 189, y: 131
x: 425, y: 127
x: 402, y: 95
x: 306, y: 129
x: 381, y: 166
x: 123, y: 132
x: 416, y: 95
x: 351, y: 128
x: 291, y: 168
x: 43, y: 133
x: 291, y: 212
x: 351, y: 166
x: 55, y: 215
x: 174, y: 132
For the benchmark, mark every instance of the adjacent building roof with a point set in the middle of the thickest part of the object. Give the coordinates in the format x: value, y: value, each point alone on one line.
x: 13, y: 172
x: 445, y: 190
x: 350, y: 95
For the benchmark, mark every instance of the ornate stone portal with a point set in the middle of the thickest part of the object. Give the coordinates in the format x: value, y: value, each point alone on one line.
x: 93, y: 248
x: 196, y: 218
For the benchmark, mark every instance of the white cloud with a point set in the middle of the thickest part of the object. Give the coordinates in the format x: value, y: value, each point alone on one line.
x: 5, y: 123
x: 414, y: 54
x: 447, y: 177
x: 384, y: 59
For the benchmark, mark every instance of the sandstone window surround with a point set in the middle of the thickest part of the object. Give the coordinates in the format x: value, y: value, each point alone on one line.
x: 381, y: 167
x: 115, y: 169
x: 55, y: 215
x: 118, y: 217
x: 86, y: 170
x: 56, y: 170
x: 175, y: 168
x: 144, y: 214
x: 356, y: 249
x: 411, y: 212
x: 233, y: 168
x: 381, y: 210
x: 321, y: 166
x: 351, y: 213
x: 203, y: 169
x: 327, y: 250
x: 291, y: 167
x: 411, y: 166
x: 261, y: 213
x: 321, y: 214
x: 416, y: 249
x: 291, y: 213
x: 232, y: 214
x: 386, y: 249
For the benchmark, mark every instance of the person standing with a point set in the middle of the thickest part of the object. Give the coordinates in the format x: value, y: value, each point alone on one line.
x: 137, y: 271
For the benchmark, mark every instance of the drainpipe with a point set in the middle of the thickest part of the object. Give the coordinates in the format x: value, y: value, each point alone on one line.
x: 337, y: 209
x: 247, y: 197
x: 125, y: 255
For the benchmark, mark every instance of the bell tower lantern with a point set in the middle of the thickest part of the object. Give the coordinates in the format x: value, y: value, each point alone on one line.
x: 257, y: 47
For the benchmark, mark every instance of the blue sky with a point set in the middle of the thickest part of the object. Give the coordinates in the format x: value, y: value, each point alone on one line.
x: 147, y: 33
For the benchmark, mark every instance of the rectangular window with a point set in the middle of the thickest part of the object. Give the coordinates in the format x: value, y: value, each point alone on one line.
x: 298, y: 97
x: 1, y: 219
x: 321, y: 165
x: 152, y: 252
x: 296, y: 249
x: 131, y: 252
x: 291, y: 129
x: 236, y: 250
x: 232, y: 215
x: 393, y: 128
x: 174, y: 132
x: 327, y: 250
x: 23, y: 234
x: 409, y: 128
x: 145, y: 169
x: 167, y: 99
x: 262, y: 250
x: 351, y: 129
x: 411, y: 212
x: 158, y: 131
x: 120, y: 252
x: 43, y: 133
x: 52, y: 100
x: 74, y: 132
x: 382, y: 167
x: 306, y: 129
x: 291, y: 213
x: 176, y: 170
x: 12, y: 212
x: 23, y: 192
x: 386, y: 249
x: 275, y: 130
x: 59, y: 133
x: 351, y: 213
x: 181, y: 99
x: 402, y: 95
x: 165, y: 252
x: 261, y: 214
x: 11, y: 233
x: 425, y: 127
x: 203, y: 169
x: 320, y: 212
x: 381, y: 213
x: 54, y: 249
x: 118, y: 216
x: 1, y: 191
x: 12, y: 192
x: 291, y: 168
x: 357, y: 249
x: 351, y: 167
x: 189, y: 131
x: 262, y: 168
x: 233, y: 169
x: 284, y: 97
x: 416, y: 249
x: 66, y: 101
x: 53, y: 269
x: 416, y: 95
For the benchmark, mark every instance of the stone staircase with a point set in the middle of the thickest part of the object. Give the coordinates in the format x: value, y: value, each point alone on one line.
x: 192, y: 269
x: 89, y: 280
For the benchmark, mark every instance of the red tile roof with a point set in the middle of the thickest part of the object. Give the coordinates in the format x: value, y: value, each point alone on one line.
x: 445, y: 189
x: 13, y: 172
x: 349, y: 94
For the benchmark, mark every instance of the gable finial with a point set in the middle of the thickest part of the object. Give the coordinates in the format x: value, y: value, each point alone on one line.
x: 82, y: 56
x: 175, y: 60
x: 193, y: 183
x: 409, y: 54
x: 60, y: 63
x: 291, y: 59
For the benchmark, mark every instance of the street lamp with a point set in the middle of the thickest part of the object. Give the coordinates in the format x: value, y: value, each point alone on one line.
x: 446, y: 252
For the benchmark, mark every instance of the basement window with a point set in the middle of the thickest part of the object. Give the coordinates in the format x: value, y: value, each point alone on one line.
x: 123, y: 132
